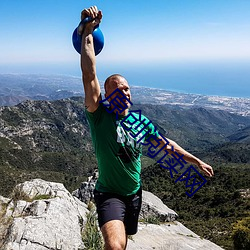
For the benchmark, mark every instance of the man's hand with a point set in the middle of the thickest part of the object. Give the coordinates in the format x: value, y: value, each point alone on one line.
x: 206, y: 169
x: 92, y: 12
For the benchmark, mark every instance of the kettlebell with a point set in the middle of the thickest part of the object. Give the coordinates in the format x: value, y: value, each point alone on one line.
x: 98, y: 37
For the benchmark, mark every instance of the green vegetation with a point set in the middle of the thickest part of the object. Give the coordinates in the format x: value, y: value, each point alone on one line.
x: 18, y: 194
x: 5, y: 222
x: 51, y: 141
x: 91, y: 235
x: 212, y: 211
x: 151, y: 220
x: 241, y: 234
x: 45, y: 140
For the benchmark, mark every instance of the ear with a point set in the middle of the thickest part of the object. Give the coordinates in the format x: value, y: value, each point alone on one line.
x: 106, y: 97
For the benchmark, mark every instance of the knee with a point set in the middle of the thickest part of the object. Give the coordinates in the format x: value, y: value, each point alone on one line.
x: 114, y: 235
x: 115, y: 245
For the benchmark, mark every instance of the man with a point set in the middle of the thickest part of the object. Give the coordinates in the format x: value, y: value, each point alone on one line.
x: 118, y: 189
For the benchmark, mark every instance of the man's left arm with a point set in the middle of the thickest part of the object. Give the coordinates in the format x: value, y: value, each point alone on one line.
x: 173, y: 147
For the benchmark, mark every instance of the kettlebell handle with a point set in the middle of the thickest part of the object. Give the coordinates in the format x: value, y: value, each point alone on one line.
x: 86, y: 20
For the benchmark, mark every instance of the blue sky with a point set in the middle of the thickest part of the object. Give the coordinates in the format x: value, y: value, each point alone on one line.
x: 35, y: 35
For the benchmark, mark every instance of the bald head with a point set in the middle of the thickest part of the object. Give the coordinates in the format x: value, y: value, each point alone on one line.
x: 113, y: 81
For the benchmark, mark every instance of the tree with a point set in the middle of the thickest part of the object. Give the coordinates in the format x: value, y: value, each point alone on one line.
x: 241, y: 234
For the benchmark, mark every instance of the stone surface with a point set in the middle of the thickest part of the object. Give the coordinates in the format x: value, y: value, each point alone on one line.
x: 153, y: 206
x: 54, y: 221
x: 44, y: 215
x: 169, y: 236
x: 85, y: 192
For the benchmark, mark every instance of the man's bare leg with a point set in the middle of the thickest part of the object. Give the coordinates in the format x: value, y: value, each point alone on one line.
x: 114, y: 235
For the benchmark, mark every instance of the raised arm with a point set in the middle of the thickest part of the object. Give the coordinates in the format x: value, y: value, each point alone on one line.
x: 88, y: 63
x: 205, y: 168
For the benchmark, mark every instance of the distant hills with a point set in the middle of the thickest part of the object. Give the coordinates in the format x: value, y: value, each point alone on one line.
x: 53, y: 138
x: 44, y: 134
x: 242, y: 136
x: 15, y: 88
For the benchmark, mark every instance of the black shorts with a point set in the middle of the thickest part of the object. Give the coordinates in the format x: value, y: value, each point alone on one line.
x: 117, y: 207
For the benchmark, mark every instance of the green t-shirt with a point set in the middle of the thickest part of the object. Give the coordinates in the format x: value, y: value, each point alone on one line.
x: 117, y: 149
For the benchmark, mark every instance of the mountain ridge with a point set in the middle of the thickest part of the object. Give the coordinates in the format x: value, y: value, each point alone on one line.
x: 51, y: 140
x: 54, y: 135
x: 16, y: 88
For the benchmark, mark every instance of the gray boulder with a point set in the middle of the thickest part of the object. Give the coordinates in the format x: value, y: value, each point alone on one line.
x: 85, y: 192
x: 152, y: 206
x: 42, y: 215
x: 168, y: 236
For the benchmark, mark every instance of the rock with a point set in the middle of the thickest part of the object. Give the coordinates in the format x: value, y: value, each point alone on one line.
x: 4, y: 218
x: 85, y: 192
x: 169, y: 236
x: 152, y: 206
x: 44, y: 216
x: 245, y: 193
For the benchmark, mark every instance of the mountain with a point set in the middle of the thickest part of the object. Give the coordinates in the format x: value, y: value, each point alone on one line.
x: 195, y: 128
x: 235, y: 150
x: 16, y: 88
x: 45, y: 139
x: 44, y: 134
x: 51, y: 139
x: 241, y: 136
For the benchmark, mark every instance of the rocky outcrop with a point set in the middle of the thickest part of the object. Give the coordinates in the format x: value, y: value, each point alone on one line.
x: 85, y: 192
x: 43, y: 215
x: 168, y: 236
x: 152, y: 206
x: 245, y: 193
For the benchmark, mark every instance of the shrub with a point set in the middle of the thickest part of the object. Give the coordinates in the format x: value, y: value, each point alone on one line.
x: 91, y: 235
x: 241, y: 234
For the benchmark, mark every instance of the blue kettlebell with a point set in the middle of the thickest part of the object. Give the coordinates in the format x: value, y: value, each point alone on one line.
x: 98, y: 37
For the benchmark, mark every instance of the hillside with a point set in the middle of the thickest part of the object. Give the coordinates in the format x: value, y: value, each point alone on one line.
x: 195, y: 128
x: 45, y: 139
x: 51, y: 140
x: 242, y: 136
x: 16, y: 88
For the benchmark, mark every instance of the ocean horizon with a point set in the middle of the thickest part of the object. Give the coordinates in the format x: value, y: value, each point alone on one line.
x: 229, y: 79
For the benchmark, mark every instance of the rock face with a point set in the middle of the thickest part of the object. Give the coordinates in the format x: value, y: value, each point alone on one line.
x: 153, y: 206
x: 85, y: 192
x: 44, y: 215
x: 168, y: 236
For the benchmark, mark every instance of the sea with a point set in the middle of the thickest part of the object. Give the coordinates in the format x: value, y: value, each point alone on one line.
x: 215, y: 79
x: 230, y: 79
